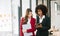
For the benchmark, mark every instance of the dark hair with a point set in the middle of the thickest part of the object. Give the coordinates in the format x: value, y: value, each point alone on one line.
x: 43, y: 8
x: 27, y: 13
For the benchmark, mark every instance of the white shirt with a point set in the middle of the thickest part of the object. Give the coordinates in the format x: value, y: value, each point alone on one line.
x: 41, y: 19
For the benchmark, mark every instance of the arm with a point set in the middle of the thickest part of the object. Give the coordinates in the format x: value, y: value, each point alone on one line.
x: 47, y: 25
x: 21, y: 33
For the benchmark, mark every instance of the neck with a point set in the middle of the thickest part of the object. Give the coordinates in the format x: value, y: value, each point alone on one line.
x: 29, y: 17
x: 41, y: 16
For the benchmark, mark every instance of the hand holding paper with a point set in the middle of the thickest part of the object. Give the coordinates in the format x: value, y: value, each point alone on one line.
x: 24, y: 31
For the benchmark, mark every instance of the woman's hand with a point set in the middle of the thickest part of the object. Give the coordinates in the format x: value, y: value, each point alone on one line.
x: 39, y: 26
x: 24, y: 31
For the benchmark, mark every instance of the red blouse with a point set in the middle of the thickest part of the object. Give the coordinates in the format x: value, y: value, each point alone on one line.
x: 32, y: 21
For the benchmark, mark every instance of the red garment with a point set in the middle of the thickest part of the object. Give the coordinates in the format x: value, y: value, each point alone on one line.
x: 32, y: 21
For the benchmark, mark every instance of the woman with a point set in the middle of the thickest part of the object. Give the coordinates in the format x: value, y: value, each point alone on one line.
x: 27, y: 24
x: 43, y: 21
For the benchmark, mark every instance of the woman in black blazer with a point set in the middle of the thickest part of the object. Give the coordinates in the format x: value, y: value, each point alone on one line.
x: 43, y: 21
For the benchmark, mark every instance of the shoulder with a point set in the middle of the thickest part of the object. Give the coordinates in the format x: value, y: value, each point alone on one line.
x: 47, y: 18
x: 22, y: 18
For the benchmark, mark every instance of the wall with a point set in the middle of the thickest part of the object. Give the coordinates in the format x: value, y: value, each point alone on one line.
x: 9, y: 24
x: 25, y: 5
x: 5, y: 15
x: 15, y: 17
x: 55, y: 15
x: 5, y: 18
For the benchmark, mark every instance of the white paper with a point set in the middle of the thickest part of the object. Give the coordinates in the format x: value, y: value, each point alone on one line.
x: 25, y: 27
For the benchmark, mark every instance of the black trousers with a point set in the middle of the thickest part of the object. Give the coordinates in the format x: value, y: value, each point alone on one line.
x: 42, y: 33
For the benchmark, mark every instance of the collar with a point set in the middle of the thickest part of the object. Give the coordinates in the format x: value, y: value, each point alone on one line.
x: 42, y: 17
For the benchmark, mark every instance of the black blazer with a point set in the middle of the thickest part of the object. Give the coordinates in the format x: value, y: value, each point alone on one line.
x: 46, y: 26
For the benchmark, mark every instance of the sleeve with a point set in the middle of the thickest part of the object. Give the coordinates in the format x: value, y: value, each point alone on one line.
x: 33, y: 27
x: 21, y: 33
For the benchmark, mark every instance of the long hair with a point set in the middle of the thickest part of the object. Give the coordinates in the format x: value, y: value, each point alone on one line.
x: 26, y: 16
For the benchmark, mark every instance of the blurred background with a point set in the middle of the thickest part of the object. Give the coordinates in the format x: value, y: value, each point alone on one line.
x: 12, y: 10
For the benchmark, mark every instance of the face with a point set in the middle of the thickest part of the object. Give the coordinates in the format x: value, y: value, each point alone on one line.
x: 40, y: 12
x: 30, y: 14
